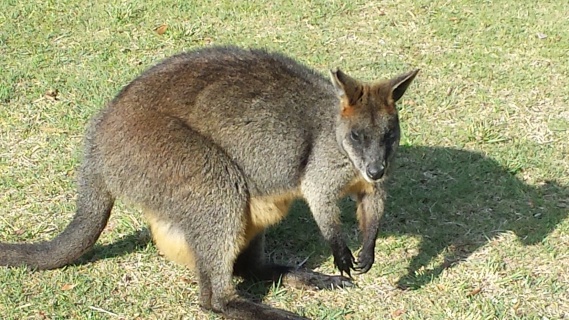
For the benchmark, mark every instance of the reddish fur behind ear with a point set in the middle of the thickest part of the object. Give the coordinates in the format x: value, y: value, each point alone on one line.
x: 350, y: 101
x: 347, y: 110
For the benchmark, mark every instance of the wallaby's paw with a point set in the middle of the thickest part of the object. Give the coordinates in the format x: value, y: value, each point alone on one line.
x: 364, y: 262
x: 343, y: 259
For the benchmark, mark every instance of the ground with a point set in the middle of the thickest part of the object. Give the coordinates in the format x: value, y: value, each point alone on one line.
x: 477, y: 222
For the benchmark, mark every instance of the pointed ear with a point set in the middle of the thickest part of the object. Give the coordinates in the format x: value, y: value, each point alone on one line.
x: 400, y: 84
x: 346, y: 86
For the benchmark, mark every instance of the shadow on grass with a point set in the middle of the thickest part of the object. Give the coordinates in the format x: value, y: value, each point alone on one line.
x: 454, y: 200
x: 458, y: 201
x: 127, y: 244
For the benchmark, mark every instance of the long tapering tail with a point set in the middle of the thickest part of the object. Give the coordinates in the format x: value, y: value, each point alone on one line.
x: 94, y: 204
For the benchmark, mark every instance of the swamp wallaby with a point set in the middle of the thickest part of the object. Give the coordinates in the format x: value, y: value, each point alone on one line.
x: 214, y: 145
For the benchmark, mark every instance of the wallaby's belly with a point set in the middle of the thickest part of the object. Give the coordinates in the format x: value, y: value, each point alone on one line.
x: 263, y: 211
x: 170, y: 240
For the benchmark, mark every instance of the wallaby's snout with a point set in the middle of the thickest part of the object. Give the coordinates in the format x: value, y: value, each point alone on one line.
x: 375, y: 171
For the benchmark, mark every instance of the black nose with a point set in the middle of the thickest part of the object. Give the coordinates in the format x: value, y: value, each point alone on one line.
x: 375, y: 172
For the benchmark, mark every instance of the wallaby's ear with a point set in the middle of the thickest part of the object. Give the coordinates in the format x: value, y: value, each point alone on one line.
x: 400, y: 84
x: 346, y: 86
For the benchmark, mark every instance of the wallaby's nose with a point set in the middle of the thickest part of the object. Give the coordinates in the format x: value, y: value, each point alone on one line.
x: 375, y: 172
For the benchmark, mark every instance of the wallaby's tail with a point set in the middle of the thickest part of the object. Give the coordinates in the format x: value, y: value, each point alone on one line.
x: 94, y: 204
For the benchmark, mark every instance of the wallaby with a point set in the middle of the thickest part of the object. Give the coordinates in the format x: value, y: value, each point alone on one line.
x: 214, y: 145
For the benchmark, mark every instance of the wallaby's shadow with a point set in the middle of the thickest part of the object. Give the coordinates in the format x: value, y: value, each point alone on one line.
x: 126, y: 244
x: 454, y: 200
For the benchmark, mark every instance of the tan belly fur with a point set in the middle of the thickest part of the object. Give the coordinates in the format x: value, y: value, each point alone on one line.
x: 263, y: 212
x: 170, y: 240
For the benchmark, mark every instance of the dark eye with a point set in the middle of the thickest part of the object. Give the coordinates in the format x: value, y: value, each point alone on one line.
x: 356, y: 136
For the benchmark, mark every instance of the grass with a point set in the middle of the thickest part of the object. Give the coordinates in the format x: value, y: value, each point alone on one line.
x: 477, y: 222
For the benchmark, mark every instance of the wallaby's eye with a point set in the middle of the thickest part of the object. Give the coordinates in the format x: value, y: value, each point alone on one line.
x: 356, y: 136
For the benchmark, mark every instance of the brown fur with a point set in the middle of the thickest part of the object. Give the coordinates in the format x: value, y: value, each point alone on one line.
x: 214, y: 145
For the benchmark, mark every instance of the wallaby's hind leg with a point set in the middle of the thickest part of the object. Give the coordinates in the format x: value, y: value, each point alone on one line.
x: 217, y: 244
x: 216, y: 252
x: 217, y: 292
x: 206, y: 288
x: 201, y: 197
x: 252, y: 265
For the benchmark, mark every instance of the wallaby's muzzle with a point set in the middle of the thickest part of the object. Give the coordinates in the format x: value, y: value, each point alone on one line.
x: 375, y: 171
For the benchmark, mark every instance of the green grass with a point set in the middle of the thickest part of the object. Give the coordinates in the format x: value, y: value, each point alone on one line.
x: 477, y: 222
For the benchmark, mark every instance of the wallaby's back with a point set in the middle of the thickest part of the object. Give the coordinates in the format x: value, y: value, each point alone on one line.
x: 262, y: 108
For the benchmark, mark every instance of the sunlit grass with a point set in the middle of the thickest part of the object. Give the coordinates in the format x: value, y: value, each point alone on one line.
x: 476, y: 225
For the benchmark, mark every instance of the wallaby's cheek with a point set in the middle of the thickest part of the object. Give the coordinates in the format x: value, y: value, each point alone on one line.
x: 391, y: 151
x: 355, y: 156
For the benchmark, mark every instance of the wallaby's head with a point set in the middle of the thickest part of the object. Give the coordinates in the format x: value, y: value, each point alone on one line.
x: 367, y: 126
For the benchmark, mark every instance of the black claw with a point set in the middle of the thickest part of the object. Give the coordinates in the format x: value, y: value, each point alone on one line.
x: 346, y: 284
x: 343, y: 259
x: 341, y: 282
x: 364, y: 263
x: 362, y: 269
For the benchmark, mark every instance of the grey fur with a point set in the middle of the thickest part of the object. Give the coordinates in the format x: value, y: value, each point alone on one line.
x: 197, y: 138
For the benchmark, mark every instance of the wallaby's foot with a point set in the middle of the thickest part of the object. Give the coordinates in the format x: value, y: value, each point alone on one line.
x: 310, y: 279
x: 300, y: 278
x: 242, y: 309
